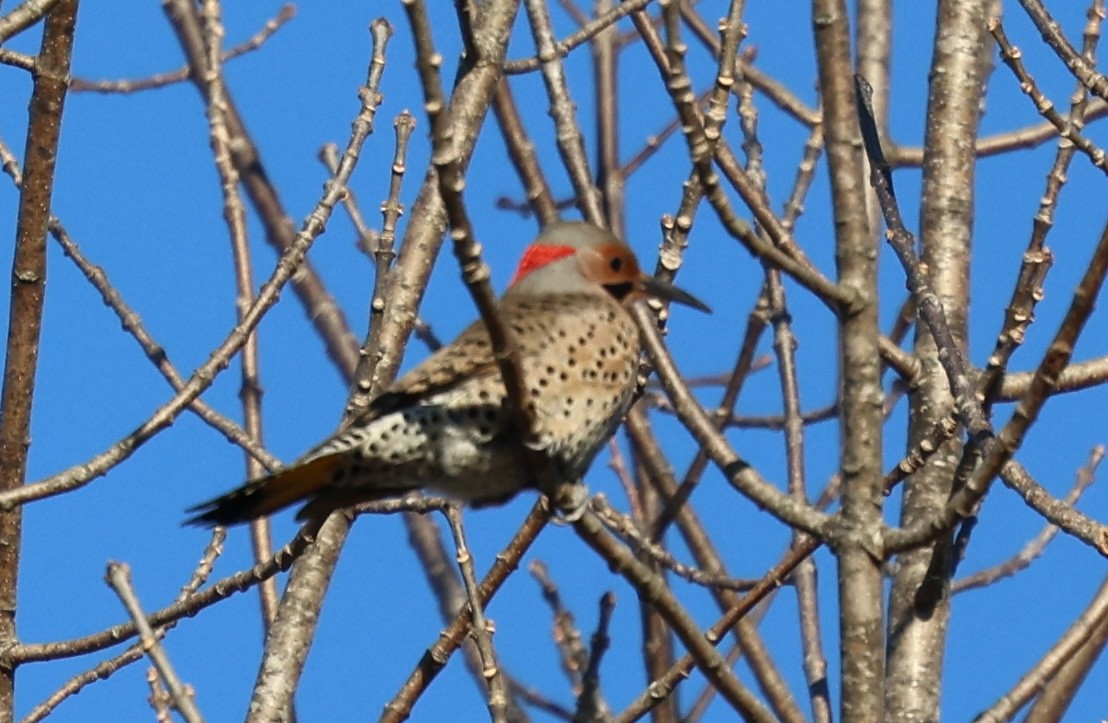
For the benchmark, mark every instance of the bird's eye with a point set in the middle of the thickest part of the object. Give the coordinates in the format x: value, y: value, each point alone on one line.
x: 616, y: 264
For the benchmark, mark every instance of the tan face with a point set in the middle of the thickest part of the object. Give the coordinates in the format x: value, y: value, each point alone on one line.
x: 615, y: 267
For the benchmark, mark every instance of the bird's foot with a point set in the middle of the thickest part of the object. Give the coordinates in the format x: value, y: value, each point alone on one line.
x: 569, y: 500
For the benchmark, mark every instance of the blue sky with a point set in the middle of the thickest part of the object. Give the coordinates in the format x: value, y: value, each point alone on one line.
x: 137, y: 190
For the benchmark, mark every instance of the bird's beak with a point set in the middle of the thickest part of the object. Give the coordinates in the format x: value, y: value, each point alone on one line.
x: 665, y: 290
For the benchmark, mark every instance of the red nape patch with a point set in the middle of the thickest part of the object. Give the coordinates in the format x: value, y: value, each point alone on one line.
x: 537, y: 256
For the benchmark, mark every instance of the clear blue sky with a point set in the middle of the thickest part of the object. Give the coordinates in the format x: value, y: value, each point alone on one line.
x: 138, y: 191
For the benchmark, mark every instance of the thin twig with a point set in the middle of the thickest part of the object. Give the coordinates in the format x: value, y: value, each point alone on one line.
x: 293, y: 630
x: 1051, y: 32
x: 23, y: 17
x: 571, y: 145
x: 671, y: 64
x: 435, y: 658
x: 320, y: 307
x: 927, y: 301
x: 521, y: 149
x: 1001, y: 143
x: 234, y: 215
x: 776, y: 91
x: 160, y: 80
x: 1013, y: 59
x: 590, y: 704
x: 997, y: 456
x: 1031, y: 683
x: 659, y: 689
x: 562, y: 48
x: 621, y: 525
x: 155, y: 352
x: 106, y: 668
x: 184, y: 607
x: 119, y: 578
x: 383, y: 255
x: 652, y: 589
x: 738, y: 472
x: 567, y: 637
x: 1036, y: 546
x: 160, y: 699
x: 480, y: 628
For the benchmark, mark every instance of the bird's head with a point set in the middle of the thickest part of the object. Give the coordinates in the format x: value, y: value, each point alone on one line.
x: 574, y: 257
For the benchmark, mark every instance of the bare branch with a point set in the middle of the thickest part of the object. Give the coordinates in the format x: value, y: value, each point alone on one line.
x: 28, y: 292
x: 119, y: 578
x: 160, y: 80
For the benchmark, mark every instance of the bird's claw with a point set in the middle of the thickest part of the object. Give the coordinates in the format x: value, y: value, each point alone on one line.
x: 570, y: 500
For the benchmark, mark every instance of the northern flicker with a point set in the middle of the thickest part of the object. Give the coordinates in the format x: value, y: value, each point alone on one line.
x: 445, y: 424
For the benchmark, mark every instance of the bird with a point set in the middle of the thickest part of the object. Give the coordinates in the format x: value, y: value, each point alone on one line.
x: 446, y: 425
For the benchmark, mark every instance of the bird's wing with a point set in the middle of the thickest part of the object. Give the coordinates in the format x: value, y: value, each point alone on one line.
x: 532, y: 321
x: 468, y: 357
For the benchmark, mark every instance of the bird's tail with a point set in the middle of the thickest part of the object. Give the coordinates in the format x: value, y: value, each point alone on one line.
x: 266, y: 495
